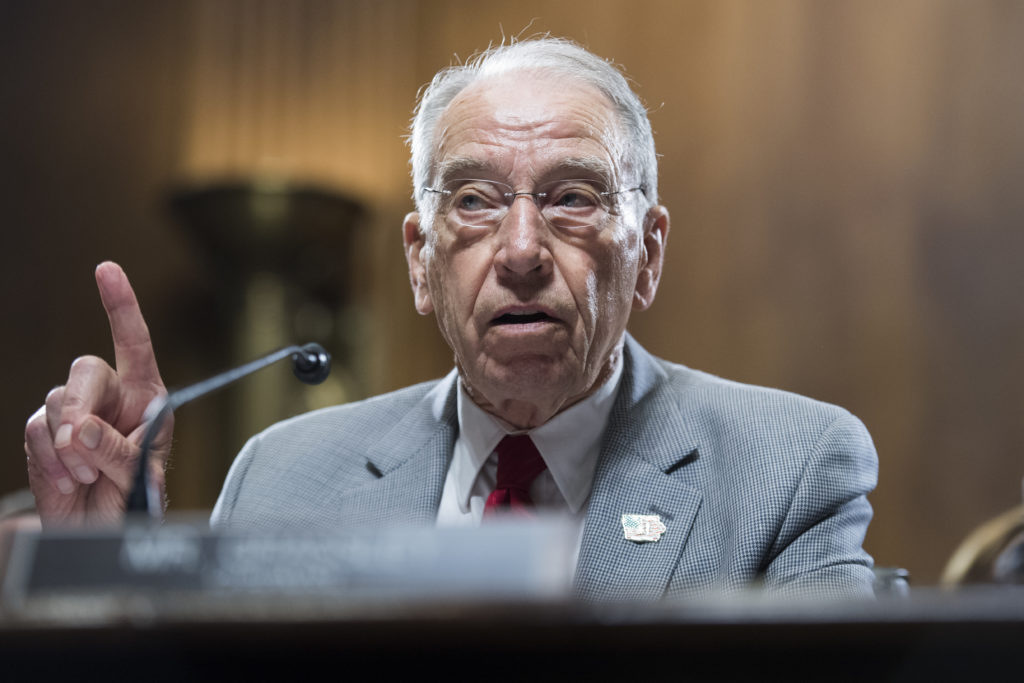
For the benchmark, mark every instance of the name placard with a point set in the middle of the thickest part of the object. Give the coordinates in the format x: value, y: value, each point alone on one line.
x: 501, y: 561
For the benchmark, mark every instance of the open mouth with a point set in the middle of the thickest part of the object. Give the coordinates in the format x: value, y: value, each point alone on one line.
x: 522, y: 318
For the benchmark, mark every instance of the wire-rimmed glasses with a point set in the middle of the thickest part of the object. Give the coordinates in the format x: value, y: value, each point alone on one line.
x: 567, y: 204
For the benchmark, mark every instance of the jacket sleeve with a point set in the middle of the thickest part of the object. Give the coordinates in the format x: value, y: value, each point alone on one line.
x: 221, y: 516
x: 819, y: 549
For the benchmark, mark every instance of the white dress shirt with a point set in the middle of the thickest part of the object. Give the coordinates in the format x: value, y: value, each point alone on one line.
x: 570, y: 444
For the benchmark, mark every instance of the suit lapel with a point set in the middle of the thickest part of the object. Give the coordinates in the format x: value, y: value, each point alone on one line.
x: 411, y: 460
x: 645, y: 442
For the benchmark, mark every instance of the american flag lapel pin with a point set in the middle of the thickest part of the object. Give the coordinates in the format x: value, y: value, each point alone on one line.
x: 643, y: 528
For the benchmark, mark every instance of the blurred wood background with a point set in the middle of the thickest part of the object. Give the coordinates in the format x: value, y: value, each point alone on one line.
x: 844, y: 180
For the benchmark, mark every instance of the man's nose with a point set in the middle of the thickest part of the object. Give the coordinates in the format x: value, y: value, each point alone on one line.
x: 524, y: 234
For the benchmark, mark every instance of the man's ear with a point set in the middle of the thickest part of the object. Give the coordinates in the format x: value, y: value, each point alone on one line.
x: 414, y: 241
x: 652, y: 257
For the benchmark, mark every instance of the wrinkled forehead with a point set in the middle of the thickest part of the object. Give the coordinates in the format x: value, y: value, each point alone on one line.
x: 529, y: 125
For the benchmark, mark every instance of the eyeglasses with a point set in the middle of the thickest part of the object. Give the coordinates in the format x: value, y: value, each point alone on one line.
x: 565, y: 204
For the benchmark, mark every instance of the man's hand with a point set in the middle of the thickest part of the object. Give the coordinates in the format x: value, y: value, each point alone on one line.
x: 83, y: 443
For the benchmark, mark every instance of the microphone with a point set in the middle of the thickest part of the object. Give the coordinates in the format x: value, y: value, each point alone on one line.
x: 310, y: 363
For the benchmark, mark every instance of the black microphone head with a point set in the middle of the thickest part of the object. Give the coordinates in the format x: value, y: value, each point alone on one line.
x: 312, y: 364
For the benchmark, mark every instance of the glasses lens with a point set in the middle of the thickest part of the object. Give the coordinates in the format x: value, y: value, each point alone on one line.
x: 574, y: 203
x: 475, y: 202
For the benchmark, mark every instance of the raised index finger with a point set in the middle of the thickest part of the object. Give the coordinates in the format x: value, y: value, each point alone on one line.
x: 133, y: 350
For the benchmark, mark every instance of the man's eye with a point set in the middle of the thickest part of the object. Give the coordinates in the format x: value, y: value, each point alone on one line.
x: 468, y: 201
x: 476, y: 197
x: 576, y: 197
x: 575, y: 200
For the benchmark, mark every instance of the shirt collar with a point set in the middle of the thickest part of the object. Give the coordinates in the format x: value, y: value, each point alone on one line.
x: 570, y: 442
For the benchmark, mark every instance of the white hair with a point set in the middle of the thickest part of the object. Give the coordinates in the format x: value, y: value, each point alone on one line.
x: 549, y: 54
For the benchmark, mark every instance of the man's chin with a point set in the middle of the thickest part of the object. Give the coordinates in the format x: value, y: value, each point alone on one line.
x: 538, y: 370
x: 525, y: 376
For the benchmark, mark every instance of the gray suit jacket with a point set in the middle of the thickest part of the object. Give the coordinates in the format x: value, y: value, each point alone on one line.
x: 755, y: 485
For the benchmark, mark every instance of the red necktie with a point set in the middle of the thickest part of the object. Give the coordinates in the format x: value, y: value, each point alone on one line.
x: 519, y: 463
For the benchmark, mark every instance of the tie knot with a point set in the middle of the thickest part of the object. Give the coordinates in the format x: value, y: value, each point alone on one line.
x: 519, y: 462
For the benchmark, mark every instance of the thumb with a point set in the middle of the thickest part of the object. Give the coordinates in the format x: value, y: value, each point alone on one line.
x: 108, y: 451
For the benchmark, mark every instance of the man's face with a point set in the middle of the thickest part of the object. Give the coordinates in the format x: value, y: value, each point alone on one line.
x: 534, y: 314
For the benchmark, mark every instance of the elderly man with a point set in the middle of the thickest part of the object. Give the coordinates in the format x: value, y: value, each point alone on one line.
x: 537, y: 232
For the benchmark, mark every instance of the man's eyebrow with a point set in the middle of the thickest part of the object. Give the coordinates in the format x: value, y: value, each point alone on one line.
x: 588, y: 167
x: 468, y: 167
x: 461, y: 167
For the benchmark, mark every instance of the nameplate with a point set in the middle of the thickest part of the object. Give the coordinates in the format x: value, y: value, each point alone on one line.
x: 501, y: 561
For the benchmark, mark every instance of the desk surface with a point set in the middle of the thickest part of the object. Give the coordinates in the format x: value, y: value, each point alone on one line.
x: 977, y: 636
x: 153, y: 603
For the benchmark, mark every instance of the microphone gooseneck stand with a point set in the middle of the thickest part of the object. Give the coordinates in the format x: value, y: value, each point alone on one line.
x: 311, y: 364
